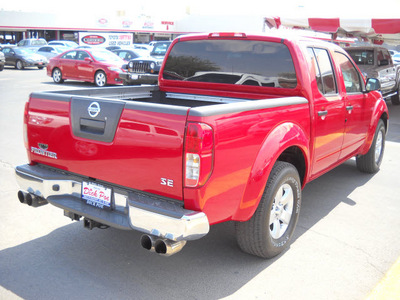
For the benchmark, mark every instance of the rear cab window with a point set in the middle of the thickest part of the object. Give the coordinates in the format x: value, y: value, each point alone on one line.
x: 235, y: 62
x: 362, y: 57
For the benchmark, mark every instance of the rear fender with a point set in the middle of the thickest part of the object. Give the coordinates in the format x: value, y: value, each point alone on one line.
x: 284, y: 136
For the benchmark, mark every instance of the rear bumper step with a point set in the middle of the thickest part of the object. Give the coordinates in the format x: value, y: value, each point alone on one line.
x: 135, y: 210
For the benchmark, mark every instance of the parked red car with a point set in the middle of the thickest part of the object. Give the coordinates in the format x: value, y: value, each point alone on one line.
x: 91, y: 65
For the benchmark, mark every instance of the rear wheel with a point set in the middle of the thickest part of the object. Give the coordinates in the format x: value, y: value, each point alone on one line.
x: 370, y: 162
x: 100, y: 78
x: 57, y: 76
x: 19, y: 65
x: 269, y: 231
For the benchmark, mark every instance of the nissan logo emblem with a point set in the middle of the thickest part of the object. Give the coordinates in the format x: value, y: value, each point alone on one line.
x: 94, y: 109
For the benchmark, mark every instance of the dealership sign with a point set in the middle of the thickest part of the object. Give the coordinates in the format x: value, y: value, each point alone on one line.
x: 93, y: 40
x: 105, y: 39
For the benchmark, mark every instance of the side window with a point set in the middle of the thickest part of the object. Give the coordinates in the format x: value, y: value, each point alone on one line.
x: 125, y: 55
x: 69, y: 55
x: 352, y: 80
x: 128, y: 56
x: 120, y: 54
x: 325, y: 67
x: 316, y: 69
x: 383, y: 57
x: 81, y: 55
x: 323, y: 70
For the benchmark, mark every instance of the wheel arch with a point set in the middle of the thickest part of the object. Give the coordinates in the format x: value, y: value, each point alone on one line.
x: 287, y: 142
x: 380, y: 113
x: 54, y: 68
x: 99, y: 70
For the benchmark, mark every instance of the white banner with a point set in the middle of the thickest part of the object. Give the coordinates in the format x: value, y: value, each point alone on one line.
x: 105, y: 39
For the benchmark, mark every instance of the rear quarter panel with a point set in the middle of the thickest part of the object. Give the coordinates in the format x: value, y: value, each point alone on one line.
x: 245, y: 151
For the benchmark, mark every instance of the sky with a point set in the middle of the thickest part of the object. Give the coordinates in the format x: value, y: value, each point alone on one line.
x: 177, y: 8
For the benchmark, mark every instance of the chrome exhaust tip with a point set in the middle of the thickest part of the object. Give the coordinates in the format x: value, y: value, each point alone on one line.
x: 147, y: 242
x: 30, y: 199
x: 21, y: 196
x: 167, y: 247
x: 161, y: 246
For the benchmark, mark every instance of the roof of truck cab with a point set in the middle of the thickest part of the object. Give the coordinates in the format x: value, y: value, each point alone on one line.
x: 274, y: 37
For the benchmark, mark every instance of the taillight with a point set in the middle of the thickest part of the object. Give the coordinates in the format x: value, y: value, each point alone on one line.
x: 227, y: 35
x: 199, y: 154
x: 25, y: 125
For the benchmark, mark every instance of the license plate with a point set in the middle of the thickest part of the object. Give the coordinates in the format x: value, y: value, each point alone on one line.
x: 134, y: 76
x: 96, y: 195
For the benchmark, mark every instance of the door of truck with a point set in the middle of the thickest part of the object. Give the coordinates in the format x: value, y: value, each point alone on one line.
x: 329, y: 112
x: 358, y: 115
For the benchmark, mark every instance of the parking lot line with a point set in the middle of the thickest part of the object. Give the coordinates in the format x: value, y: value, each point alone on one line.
x: 389, y: 287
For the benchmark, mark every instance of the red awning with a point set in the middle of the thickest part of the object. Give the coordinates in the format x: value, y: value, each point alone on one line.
x: 374, y: 30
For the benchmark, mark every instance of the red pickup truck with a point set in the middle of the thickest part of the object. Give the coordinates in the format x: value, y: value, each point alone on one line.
x: 235, y: 128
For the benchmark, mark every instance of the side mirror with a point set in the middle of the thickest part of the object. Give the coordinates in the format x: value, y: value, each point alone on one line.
x: 88, y: 59
x: 373, y: 84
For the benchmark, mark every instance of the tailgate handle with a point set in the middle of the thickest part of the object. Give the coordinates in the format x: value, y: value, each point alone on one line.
x: 92, y: 126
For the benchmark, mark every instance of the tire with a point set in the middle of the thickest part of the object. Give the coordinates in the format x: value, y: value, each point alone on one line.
x: 19, y: 65
x: 40, y: 68
x: 270, y: 229
x: 57, y: 75
x: 370, y: 162
x: 396, y: 98
x: 100, y: 78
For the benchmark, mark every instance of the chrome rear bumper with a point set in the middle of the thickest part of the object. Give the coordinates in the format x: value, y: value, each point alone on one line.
x: 131, y: 209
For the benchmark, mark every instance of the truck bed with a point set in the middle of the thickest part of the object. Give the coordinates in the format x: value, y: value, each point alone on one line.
x: 130, y: 136
x: 147, y: 94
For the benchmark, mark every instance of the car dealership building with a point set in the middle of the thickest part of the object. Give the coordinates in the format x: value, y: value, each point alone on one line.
x: 17, y: 25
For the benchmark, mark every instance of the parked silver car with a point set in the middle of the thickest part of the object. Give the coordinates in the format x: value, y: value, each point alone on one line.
x: 65, y: 43
x: 32, y: 43
x: 21, y: 58
x: 51, y: 51
x: 2, y: 61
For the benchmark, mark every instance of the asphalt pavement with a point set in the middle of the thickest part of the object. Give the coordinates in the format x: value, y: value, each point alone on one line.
x: 346, y: 240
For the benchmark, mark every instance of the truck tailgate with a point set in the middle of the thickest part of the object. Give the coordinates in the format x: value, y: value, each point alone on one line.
x: 134, y: 144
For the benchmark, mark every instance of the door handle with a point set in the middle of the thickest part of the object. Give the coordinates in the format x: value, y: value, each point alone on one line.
x: 349, y: 107
x: 322, y: 113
